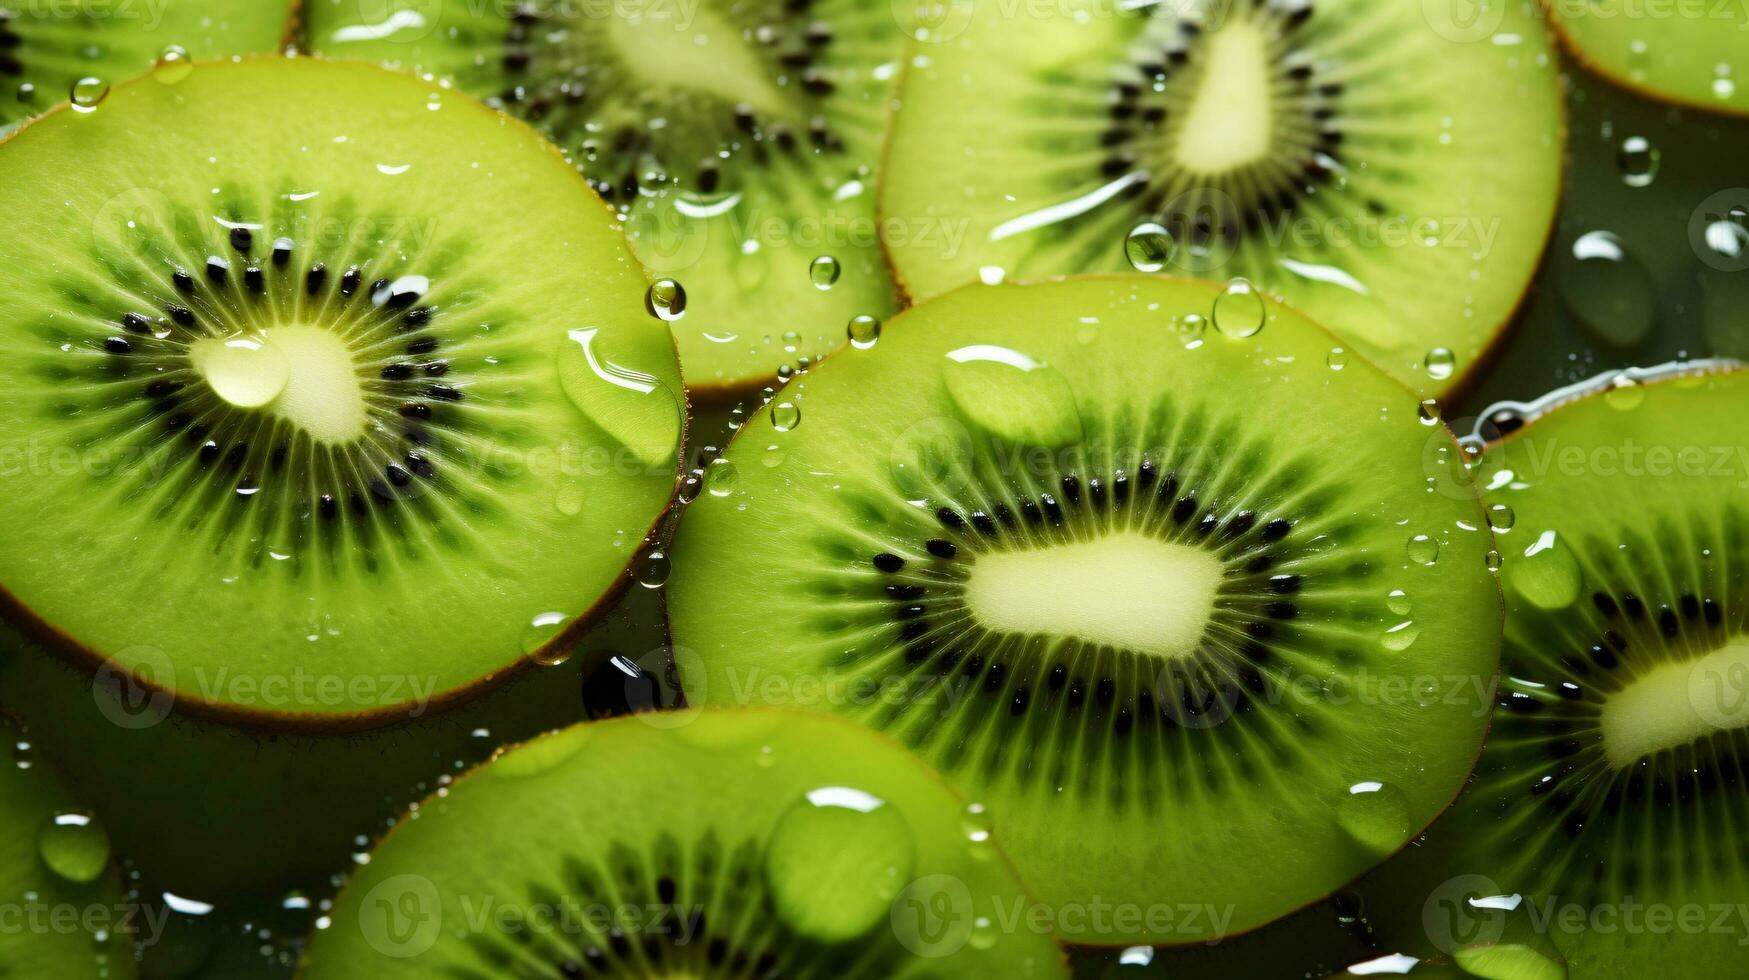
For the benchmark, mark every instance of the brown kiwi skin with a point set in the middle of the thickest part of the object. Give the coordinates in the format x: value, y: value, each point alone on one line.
x: 412, y: 812
x: 19, y: 615
x: 1459, y: 389
x: 294, y: 28
x: 1497, y: 637
x: 1579, y: 57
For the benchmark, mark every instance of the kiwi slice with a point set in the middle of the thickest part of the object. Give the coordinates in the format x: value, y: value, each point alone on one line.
x: 1691, y: 53
x: 1159, y: 597
x: 699, y: 844
x: 322, y: 415
x: 67, y: 915
x: 1490, y: 963
x: 736, y: 141
x: 59, y: 50
x: 1390, y: 175
x: 1612, y: 791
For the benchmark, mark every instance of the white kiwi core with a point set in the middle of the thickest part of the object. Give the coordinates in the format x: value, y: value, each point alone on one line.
x: 1675, y: 704
x: 1230, y: 119
x: 1126, y: 590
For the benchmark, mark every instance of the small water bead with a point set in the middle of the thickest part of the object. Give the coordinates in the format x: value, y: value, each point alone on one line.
x: 1548, y: 575
x: 1148, y: 247
x: 773, y: 456
x: 792, y: 341
x: 785, y: 416
x: 88, y: 93
x: 1398, y: 602
x: 1494, y: 560
x: 666, y: 300
x: 1011, y: 395
x: 976, y: 823
x: 1440, y: 363
x: 1375, y: 815
x: 1400, y: 636
x: 1624, y: 394
x: 984, y: 934
x: 1638, y: 160
x: 1423, y: 549
x: 863, y: 331
x: 1190, y: 330
x: 537, y: 639
x: 835, y: 861
x: 569, y: 500
x: 1430, y: 412
x: 75, y: 846
x: 1239, y: 310
x: 691, y: 487
x: 1611, y: 294
x: 1337, y: 359
x: 653, y: 570
x: 720, y: 478
x: 23, y: 754
x: 1501, y: 517
x: 173, y: 65
x: 824, y: 272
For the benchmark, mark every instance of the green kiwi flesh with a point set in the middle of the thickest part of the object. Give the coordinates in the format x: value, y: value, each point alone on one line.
x: 1391, y: 176
x: 1694, y: 54
x: 735, y: 139
x: 323, y: 416
x: 1160, y: 598
x: 1616, y: 774
x: 48, y: 46
x: 698, y: 844
x: 1485, y: 963
x: 67, y: 914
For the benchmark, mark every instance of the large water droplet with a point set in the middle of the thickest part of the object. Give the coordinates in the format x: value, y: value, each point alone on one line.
x: 1511, y: 961
x: 1430, y: 412
x: 75, y: 846
x: 537, y: 639
x: 665, y: 300
x: 1638, y: 160
x: 634, y: 408
x: 173, y: 65
x: 1375, y: 815
x: 824, y: 272
x: 720, y: 478
x: 653, y: 569
x: 1239, y: 310
x: 1148, y: 247
x: 1440, y: 363
x: 88, y: 93
x: 1501, y: 517
x: 1013, y: 396
x: 863, y: 331
x: 1548, y: 575
x: 1337, y: 359
x: 785, y: 416
x: 1610, y: 293
x: 835, y: 862
x: 245, y: 372
x: 1423, y: 549
x: 1400, y: 636
x: 1398, y: 602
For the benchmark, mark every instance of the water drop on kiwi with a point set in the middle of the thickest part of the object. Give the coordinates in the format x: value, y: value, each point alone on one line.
x: 785, y: 416
x: 1547, y: 576
x: 1375, y: 815
x: 653, y: 570
x: 1148, y: 247
x: 720, y: 478
x: 538, y: 636
x: 1423, y: 549
x: 863, y: 331
x: 1337, y: 359
x: 824, y: 272
x: 88, y: 93
x: 75, y: 846
x: 1638, y: 160
x: 1239, y: 310
x: 836, y: 860
x: 1440, y: 363
x: 173, y: 65
x: 665, y: 300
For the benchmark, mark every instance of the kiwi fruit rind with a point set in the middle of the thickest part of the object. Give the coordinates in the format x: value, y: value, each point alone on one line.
x: 700, y: 844
x: 320, y: 416
x: 68, y: 915
x: 49, y: 47
x: 1162, y: 599
x: 736, y: 140
x: 1615, y: 780
x: 1692, y: 54
x: 1376, y: 167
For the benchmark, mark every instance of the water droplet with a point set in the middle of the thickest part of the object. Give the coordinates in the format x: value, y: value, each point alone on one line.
x: 983, y: 935
x: 785, y: 416
x: 976, y: 823
x: 863, y: 331
x: 1375, y: 815
x: 1423, y: 549
x: 720, y: 478
x: 1440, y: 363
x: 1548, y: 575
x: 824, y: 271
x: 666, y: 300
x: 173, y: 65
x: 1609, y: 292
x: 75, y: 846
x: 836, y: 860
x: 569, y: 500
x: 246, y: 373
x: 88, y: 93
x: 633, y: 407
x: 1638, y: 160
x: 1148, y: 247
x: 1400, y: 636
x: 1501, y: 517
x: 1624, y: 393
x: 23, y: 754
x: 1429, y: 411
x: 1191, y: 329
x: 653, y: 570
x: 1337, y: 359
x: 1494, y: 560
x: 1013, y: 396
x: 1239, y: 310
x: 537, y: 639
x: 1398, y: 602
x: 991, y: 275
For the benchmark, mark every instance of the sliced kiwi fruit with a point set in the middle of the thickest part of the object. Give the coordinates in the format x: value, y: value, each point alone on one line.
x: 319, y: 415
x: 700, y: 844
x: 1162, y: 598
x: 1694, y: 53
x: 1489, y: 963
x: 66, y: 913
x: 735, y: 139
x: 1377, y: 167
x: 1611, y: 795
x: 53, y: 51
